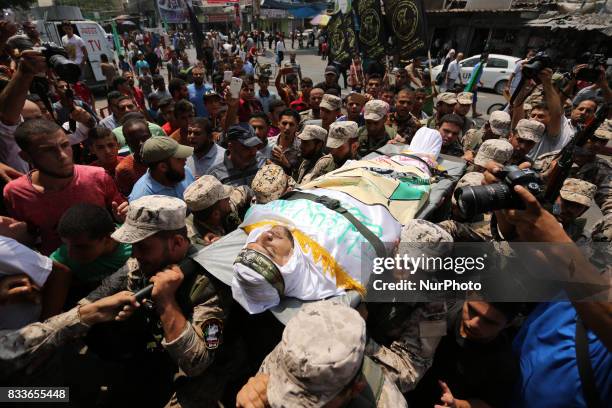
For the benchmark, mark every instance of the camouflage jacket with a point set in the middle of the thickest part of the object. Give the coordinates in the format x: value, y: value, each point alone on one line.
x: 472, y: 139
x: 598, y: 171
x: 453, y: 149
x: 323, y: 166
x: 368, y: 145
x: 404, y: 128
x: 405, y: 339
x: 475, y: 231
x: 305, y: 167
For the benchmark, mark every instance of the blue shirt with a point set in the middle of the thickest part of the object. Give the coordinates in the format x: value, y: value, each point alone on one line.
x: 248, y: 69
x: 140, y: 65
x: 546, y: 347
x: 200, y: 165
x: 196, y: 97
x: 146, y: 185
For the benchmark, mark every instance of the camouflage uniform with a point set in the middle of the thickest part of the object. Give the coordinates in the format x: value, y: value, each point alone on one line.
x: 453, y: 149
x: 447, y: 97
x: 307, y: 369
x: 270, y: 183
x: 307, y: 115
x: 205, y: 192
x: 404, y: 336
x: 310, y: 132
x: 339, y: 134
x: 497, y: 150
x: 580, y: 192
x: 405, y: 128
x: 375, y: 110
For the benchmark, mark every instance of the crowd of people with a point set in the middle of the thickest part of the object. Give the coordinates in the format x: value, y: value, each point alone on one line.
x: 98, y: 203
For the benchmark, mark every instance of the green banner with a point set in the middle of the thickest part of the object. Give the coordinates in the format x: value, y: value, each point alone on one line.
x: 372, y: 33
x: 342, y: 38
x: 407, y: 25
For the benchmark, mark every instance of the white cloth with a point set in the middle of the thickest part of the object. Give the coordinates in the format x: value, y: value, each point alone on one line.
x: 16, y: 258
x: 9, y: 151
x: 454, y: 70
x: 80, y: 133
x: 109, y: 122
x: 549, y: 144
x: 74, y: 47
x: 280, y: 46
x: 428, y: 141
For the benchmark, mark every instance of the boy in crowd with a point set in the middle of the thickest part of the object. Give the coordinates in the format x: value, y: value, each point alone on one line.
x: 103, y: 144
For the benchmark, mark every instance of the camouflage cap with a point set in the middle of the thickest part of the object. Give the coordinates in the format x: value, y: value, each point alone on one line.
x: 499, y: 122
x: 472, y: 178
x: 331, y: 102
x: 578, y: 191
x: 375, y: 110
x: 340, y: 133
x: 205, y: 192
x: 498, y: 150
x: 270, y: 183
x: 465, y: 98
x: 604, y: 131
x: 530, y: 130
x: 448, y: 98
x: 313, y: 132
x: 423, y: 237
x: 149, y: 215
x: 307, y: 369
x: 156, y: 149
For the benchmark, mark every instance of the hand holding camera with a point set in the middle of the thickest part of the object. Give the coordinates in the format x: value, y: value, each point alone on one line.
x: 32, y: 62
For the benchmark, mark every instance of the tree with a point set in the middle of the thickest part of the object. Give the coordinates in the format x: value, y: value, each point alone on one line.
x: 12, y: 4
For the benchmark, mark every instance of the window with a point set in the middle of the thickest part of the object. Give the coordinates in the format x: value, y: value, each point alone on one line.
x: 497, y: 63
x: 469, y: 63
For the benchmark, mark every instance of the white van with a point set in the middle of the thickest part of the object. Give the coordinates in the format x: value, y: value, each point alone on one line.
x: 95, y: 39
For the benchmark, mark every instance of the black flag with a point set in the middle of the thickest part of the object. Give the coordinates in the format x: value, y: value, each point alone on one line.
x: 342, y: 39
x: 407, y: 26
x: 196, y: 28
x: 372, y: 33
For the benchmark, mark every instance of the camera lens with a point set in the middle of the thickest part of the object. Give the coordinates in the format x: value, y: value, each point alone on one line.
x: 480, y: 199
x: 64, y: 68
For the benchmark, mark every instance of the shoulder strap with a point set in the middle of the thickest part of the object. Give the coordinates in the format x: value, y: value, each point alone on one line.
x: 375, y: 379
x: 585, y: 368
x: 335, y: 205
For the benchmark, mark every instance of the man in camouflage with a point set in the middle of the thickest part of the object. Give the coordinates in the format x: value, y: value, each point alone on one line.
x: 498, y: 126
x: 587, y: 166
x: 215, y: 209
x: 575, y: 198
x: 497, y: 150
x: 445, y: 105
x: 375, y: 134
x: 313, y: 140
x: 523, y: 138
x: 270, y: 183
x: 462, y: 108
x: 403, y: 336
x: 450, y: 130
x: 403, y: 120
x: 343, y: 145
x: 307, y: 369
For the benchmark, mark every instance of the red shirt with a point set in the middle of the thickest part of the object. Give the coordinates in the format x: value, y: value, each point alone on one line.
x: 167, y: 127
x: 139, y: 96
x: 109, y: 169
x: 127, y: 174
x: 42, y: 211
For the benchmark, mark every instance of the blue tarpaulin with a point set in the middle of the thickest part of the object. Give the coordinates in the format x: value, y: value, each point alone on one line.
x: 306, y: 12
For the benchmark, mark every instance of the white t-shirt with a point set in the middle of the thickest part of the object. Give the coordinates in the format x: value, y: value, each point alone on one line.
x: 74, y: 47
x: 16, y: 258
x: 549, y: 144
x: 280, y: 46
x: 454, y: 70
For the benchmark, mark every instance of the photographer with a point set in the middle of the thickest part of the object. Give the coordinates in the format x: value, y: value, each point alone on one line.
x: 550, y: 328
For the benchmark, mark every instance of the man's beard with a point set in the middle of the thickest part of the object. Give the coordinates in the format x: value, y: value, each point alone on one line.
x: 174, y: 176
x: 204, y: 147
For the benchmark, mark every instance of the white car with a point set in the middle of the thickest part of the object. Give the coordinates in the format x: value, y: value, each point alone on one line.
x: 496, y: 72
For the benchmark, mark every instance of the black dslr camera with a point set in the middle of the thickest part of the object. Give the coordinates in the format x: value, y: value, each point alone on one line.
x: 532, y: 68
x: 57, y: 59
x: 592, y: 72
x: 481, y: 199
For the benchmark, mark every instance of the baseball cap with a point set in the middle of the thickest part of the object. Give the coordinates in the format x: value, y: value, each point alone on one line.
x: 340, y: 133
x: 205, y: 192
x: 498, y: 150
x: 447, y: 97
x: 243, y: 133
x: 499, y: 121
x: 270, y: 183
x: 307, y: 369
x: 331, y: 102
x: 211, y: 93
x: 530, y: 130
x: 578, y: 191
x: 375, y: 110
x: 149, y: 215
x: 465, y: 98
x: 331, y: 70
x: 156, y: 149
x: 604, y: 131
x: 313, y: 132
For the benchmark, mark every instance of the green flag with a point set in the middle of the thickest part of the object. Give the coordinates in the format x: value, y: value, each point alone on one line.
x: 116, y: 39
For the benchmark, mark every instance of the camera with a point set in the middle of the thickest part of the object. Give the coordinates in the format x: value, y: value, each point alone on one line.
x: 57, y: 59
x: 592, y: 72
x: 532, y: 68
x: 474, y: 200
